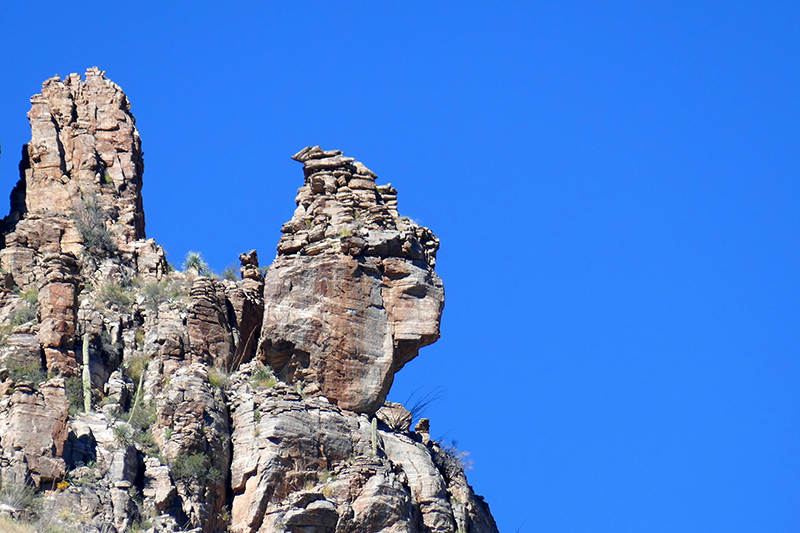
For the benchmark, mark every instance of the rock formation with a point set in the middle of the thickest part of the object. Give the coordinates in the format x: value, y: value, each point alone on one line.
x: 249, y: 405
x: 347, y: 262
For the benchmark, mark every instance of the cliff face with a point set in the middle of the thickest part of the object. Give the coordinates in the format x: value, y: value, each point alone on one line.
x: 135, y: 398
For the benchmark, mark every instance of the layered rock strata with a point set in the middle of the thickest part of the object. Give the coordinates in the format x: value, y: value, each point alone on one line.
x: 347, y: 262
x: 252, y: 405
x: 83, y: 165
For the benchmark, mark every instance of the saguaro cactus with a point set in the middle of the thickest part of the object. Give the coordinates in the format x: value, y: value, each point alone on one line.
x: 87, y: 375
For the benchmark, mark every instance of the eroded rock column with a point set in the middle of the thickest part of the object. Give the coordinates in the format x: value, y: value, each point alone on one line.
x: 352, y: 295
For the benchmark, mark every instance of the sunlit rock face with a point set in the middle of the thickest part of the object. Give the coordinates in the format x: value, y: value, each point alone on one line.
x: 352, y: 296
x: 134, y: 397
x: 83, y: 164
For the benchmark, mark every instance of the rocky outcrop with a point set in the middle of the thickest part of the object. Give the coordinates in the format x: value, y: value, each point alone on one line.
x: 209, y: 323
x: 192, y: 432
x: 81, y: 177
x: 58, y: 306
x: 33, y: 430
x: 252, y: 405
x: 348, y: 262
x: 305, y: 462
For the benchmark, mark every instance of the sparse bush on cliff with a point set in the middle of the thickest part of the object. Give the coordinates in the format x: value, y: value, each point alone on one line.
x: 29, y: 370
x: 218, y: 378
x: 21, y: 497
x: 155, y: 294
x: 90, y: 221
x: 74, y: 390
x: 230, y: 273
x: 31, y: 296
x: 142, y: 415
x: 113, y: 349
x: 111, y: 294
x: 196, y: 467
x: 27, y: 313
x: 263, y: 378
x: 194, y: 261
x: 22, y: 315
x: 451, y: 461
x: 134, y: 367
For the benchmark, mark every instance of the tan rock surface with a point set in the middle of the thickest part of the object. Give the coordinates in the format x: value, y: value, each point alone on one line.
x: 84, y: 147
x: 216, y: 405
x: 35, y: 423
x: 365, y: 271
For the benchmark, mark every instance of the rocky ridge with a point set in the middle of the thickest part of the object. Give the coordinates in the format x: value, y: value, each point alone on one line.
x: 134, y: 397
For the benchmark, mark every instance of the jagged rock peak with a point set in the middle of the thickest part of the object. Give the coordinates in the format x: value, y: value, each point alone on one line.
x: 84, y: 143
x: 80, y: 177
x: 348, y: 262
x: 340, y: 209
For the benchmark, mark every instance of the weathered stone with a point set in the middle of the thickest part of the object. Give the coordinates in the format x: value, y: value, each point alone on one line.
x: 308, y: 300
x: 197, y: 420
x: 209, y: 324
x: 395, y: 416
x: 36, y: 424
x: 58, y: 304
x: 158, y: 484
x: 124, y: 465
x: 84, y: 149
x: 366, y: 271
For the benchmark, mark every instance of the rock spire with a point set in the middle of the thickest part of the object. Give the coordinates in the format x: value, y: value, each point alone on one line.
x: 352, y: 296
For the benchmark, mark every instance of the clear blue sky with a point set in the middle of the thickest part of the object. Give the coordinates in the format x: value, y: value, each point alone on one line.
x: 615, y: 185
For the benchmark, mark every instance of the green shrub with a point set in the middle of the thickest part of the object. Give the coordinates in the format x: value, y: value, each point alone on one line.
x: 90, y: 221
x: 124, y: 434
x: 31, y: 296
x: 5, y: 331
x: 230, y: 273
x: 345, y: 233
x: 194, y: 261
x: 74, y: 389
x: 138, y: 338
x: 142, y: 416
x: 195, y: 467
x: 111, y: 294
x: 19, y: 496
x: 134, y: 367
x: 155, y: 294
x: 218, y: 378
x: 263, y: 378
x: 22, y: 315
x: 148, y: 442
x: 28, y: 370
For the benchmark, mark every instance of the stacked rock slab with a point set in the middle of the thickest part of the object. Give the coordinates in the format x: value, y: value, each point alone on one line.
x: 352, y: 295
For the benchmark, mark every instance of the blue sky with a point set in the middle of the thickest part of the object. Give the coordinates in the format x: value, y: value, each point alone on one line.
x: 615, y: 186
